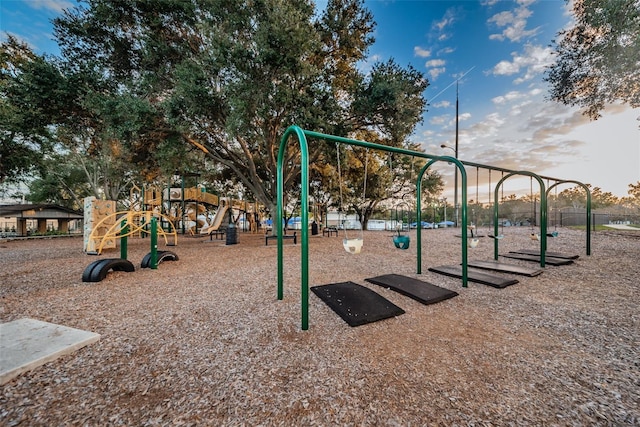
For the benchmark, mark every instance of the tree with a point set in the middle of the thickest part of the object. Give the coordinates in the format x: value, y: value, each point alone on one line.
x: 634, y: 190
x: 601, y: 199
x: 576, y: 197
x: 52, y: 126
x: 24, y: 134
x: 598, y: 59
x: 227, y: 78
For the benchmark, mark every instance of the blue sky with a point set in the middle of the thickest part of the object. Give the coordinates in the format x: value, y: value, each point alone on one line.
x: 504, y: 119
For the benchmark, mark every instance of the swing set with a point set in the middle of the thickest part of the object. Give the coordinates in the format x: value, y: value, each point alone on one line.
x: 352, y: 245
x: 402, y: 241
x: 296, y: 133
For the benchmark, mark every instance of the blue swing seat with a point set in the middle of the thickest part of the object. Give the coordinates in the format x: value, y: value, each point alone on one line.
x: 401, y: 242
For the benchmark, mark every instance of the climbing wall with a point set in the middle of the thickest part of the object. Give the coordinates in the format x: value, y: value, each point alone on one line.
x: 95, y: 211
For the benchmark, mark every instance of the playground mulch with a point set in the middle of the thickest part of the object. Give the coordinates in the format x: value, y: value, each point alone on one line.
x: 204, y: 340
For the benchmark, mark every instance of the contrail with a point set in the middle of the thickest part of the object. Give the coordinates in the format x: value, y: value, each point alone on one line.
x: 440, y: 93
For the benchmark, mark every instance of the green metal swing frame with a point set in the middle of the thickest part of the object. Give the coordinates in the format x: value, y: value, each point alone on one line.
x: 302, y: 136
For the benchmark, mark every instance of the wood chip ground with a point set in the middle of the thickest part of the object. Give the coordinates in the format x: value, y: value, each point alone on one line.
x: 204, y: 340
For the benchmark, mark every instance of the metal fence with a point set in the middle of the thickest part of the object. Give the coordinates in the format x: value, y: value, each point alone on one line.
x: 566, y: 219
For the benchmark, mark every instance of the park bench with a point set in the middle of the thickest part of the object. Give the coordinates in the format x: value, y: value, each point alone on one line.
x: 328, y: 231
x: 218, y: 233
x: 290, y: 237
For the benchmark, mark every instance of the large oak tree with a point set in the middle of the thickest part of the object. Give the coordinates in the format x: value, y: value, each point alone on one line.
x: 226, y: 78
x: 598, y: 59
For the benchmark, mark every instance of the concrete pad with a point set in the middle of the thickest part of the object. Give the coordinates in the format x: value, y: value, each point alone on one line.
x: 28, y: 343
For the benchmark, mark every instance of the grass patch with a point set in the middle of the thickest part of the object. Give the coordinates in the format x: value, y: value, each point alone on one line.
x: 602, y: 227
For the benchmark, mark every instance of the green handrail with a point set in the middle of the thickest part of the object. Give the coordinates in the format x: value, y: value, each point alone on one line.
x: 123, y: 240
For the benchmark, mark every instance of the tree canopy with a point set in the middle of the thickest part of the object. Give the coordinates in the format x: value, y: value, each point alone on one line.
x: 25, y: 114
x: 160, y: 85
x: 598, y: 59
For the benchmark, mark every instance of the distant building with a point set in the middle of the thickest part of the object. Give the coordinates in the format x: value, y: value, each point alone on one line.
x: 24, y: 219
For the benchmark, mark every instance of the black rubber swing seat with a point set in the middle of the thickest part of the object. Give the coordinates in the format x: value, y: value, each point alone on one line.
x: 97, y: 270
x: 162, y: 256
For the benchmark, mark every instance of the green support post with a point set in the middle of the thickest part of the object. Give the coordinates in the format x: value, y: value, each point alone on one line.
x: 304, y: 234
x: 153, y: 261
x: 124, y: 229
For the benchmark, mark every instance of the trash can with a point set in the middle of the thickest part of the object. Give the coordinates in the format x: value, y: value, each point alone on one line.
x: 232, y: 234
x: 314, y: 228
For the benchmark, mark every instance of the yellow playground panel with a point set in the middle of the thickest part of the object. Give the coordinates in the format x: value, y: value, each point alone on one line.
x: 133, y: 222
x: 154, y: 196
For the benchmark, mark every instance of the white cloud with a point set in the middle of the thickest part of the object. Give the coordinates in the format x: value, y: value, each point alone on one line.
x: 509, y: 96
x: 514, y: 23
x: 506, y: 68
x: 422, y: 53
x: 461, y: 118
x: 439, y: 120
x: 446, y: 20
x: 57, y: 6
x: 439, y: 27
x: 480, y: 133
x: 533, y: 61
x: 435, y: 72
x: 445, y: 51
x: 442, y: 104
x: 435, y: 63
x: 518, y: 109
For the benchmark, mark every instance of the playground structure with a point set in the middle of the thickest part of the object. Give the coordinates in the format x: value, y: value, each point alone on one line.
x: 302, y: 135
x: 98, y: 270
x: 129, y: 223
x: 193, y: 210
x: 196, y: 211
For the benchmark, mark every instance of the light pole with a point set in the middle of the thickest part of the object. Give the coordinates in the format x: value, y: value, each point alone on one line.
x: 444, y: 213
x: 455, y: 150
